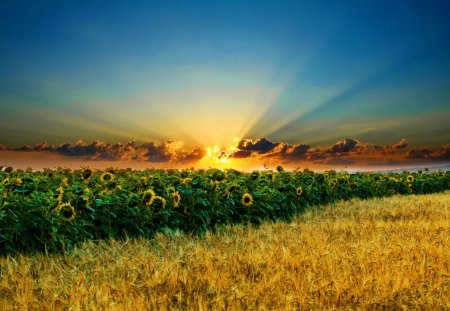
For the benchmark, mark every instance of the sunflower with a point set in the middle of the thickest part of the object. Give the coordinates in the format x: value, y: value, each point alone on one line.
x: 176, y: 198
x: 18, y: 182
x: 171, y: 190
x: 333, y: 183
x: 107, y: 176
x: 65, y: 182
x: 255, y: 175
x: 66, y: 209
x: 144, y: 180
x: 232, y: 188
x: 270, y: 176
x: 299, y: 191
x: 186, y: 180
x: 163, y: 201
x: 60, y: 191
x: 149, y: 196
x: 112, y: 185
x: 410, y: 178
x: 86, y: 174
x: 410, y: 190
x: 4, y: 181
x: 247, y: 199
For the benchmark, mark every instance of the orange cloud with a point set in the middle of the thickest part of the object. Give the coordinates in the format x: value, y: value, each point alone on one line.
x: 244, y: 153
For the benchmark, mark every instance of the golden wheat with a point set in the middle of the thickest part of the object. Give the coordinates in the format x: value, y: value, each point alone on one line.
x: 390, y: 253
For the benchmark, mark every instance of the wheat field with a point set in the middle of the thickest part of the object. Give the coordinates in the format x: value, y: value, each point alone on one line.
x: 389, y: 253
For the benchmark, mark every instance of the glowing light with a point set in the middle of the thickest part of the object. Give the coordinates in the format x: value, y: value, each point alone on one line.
x: 217, y: 156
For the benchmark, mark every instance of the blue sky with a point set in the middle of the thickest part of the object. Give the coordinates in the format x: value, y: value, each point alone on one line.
x: 207, y: 71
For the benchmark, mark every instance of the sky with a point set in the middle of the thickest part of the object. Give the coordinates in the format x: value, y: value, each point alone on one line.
x: 220, y: 82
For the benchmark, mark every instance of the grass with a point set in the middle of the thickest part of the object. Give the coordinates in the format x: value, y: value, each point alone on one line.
x: 390, y: 253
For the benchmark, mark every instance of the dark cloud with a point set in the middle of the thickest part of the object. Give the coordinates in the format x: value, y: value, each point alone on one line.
x: 97, y: 150
x: 154, y: 153
x: 37, y: 147
x: 241, y: 154
x: 418, y: 154
x: 403, y: 143
x: 195, y: 155
x: 348, y: 151
x: 442, y: 153
x: 299, y: 150
x: 264, y: 148
x: 260, y: 146
x: 345, y: 146
x: 290, y: 152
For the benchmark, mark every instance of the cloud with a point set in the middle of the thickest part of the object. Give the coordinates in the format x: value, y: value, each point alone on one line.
x: 154, y: 153
x: 37, y: 147
x: 97, y: 150
x: 265, y: 149
x: 442, y: 154
x: 291, y: 152
x: 241, y: 154
x: 343, y: 152
x: 260, y: 146
x: 403, y: 143
x: 346, y: 145
x: 192, y: 156
x: 418, y: 154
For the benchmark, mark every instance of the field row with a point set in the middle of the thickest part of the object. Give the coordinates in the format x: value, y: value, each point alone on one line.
x: 55, y: 209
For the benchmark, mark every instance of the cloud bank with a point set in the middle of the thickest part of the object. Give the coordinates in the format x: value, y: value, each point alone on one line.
x: 344, y: 152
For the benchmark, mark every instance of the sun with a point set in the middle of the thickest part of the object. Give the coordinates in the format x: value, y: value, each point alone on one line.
x: 220, y: 156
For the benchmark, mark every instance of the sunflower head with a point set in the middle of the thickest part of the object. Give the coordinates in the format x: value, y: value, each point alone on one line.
x: 112, y: 185
x: 86, y: 174
x: 144, y: 180
x: 270, y: 176
x: 176, y: 198
x: 65, y: 182
x: 149, y: 196
x: 67, y: 210
x: 254, y: 175
x: 162, y: 200
x: 232, y: 188
x: 247, y: 199
x: 299, y: 191
x: 410, y: 178
x: 18, y: 182
x: 333, y: 183
x: 186, y: 180
x: 107, y: 176
x: 171, y: 190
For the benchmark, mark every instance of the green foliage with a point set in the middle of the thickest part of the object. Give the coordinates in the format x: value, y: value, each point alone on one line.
x: 53, y: 210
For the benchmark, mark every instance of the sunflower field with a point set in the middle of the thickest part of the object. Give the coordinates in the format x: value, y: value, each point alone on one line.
x: 53, y: 210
